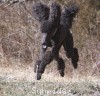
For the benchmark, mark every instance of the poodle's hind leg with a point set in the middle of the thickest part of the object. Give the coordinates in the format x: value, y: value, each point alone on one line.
x: 75, y: 58
x: 60, y: 65
x: 68, y: 45
x: 71, y: 52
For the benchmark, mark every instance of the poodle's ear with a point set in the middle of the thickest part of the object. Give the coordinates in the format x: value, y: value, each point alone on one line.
x: 74, y: 10
x: 66, y: 11
x: 72, y: 14
x: 40, y: 11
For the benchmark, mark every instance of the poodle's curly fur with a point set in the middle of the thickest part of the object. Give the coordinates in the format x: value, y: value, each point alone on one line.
x: 55, y: 28
x: 49, y: 19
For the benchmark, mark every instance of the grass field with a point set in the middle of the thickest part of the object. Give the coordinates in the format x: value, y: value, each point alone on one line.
x: 21, y: 82
x: 20, y: 46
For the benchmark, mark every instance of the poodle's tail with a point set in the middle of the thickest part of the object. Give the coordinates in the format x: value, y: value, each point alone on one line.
x: 40, y: 11
x: 68, y: 14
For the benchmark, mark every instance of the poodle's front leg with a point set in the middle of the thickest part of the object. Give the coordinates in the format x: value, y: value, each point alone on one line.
x: 48, y: 58
x: 38, y: 62
x: 42, y: 53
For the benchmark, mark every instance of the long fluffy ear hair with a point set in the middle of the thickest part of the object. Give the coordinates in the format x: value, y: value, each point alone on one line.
x: 40, y: 11
x: 68, y: 14
x: 73, y: 10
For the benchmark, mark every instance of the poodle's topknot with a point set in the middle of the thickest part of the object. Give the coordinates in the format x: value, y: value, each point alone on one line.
x: 55, y: 11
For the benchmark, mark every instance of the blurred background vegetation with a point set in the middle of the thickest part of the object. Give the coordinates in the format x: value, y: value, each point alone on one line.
x: 20, y: 35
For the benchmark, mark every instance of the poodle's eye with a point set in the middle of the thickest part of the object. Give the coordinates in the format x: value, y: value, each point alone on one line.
x: 44, y: 46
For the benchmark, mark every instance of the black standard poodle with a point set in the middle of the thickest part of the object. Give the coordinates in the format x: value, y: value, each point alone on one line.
x: 55, y: 28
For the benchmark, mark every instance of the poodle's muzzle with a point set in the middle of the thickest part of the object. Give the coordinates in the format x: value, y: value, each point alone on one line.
x: 46, y: 40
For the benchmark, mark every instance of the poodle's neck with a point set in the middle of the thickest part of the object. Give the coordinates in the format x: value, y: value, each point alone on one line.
x: 69, y: 22
x: 55, y: 20
x: 66, y: 21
